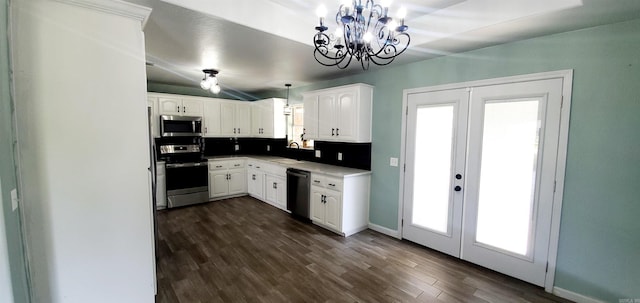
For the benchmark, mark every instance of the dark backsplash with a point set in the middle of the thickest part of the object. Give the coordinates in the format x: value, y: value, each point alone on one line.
x: 354, y: 155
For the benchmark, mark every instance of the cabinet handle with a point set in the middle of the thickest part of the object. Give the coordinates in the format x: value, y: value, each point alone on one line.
x: 234, y: 130
x: 238, y: 130
x: 332, y: 131
x: 330, y: 184
x: 184, y: 109
x: 316, y: 181
x: 206, y: 130
x: 178, y: 108
x: 337, y: 134
x: 236, y: 165
x: 257, y: 166
x: 218, y: 166
x: 275, y: 185
x: 253, y: 177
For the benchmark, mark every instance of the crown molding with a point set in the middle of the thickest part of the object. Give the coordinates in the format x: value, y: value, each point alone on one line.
x: 115, y: 7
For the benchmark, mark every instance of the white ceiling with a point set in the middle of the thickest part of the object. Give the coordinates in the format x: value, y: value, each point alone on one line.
x: 259, y: 45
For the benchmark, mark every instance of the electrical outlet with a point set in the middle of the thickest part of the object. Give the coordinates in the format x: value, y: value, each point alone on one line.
x: 317, y: 154
x: 393, y: 161
x: 14, y: 199
x: 268, y: 147
x: 237, y: 147
x: 339, y: 156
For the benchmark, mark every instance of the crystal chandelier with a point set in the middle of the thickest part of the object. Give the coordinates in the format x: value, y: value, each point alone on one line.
x: 210, y: 82
x: 365, y: 32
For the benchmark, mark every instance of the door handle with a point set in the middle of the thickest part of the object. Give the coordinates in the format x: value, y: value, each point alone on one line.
x: 458, y: 176
x: 457, y: 188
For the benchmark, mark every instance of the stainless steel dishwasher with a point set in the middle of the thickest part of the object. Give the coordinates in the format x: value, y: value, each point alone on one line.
x: 298, y: 192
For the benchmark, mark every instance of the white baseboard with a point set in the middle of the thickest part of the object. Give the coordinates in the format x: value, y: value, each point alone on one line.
x: 384, y: 230
x: 576, y: 297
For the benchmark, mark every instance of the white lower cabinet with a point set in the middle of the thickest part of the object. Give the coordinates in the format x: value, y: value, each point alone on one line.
x: 340, y: 204
x: 255, y: 183
x: 276, y: 191
x: 227, y: 178
x: 161, y: 186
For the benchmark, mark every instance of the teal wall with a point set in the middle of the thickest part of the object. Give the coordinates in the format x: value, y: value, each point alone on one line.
x: 599, y: 249
x: 7, y: 171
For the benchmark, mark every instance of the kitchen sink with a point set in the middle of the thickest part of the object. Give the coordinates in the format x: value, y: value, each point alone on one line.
x: 289, y: 161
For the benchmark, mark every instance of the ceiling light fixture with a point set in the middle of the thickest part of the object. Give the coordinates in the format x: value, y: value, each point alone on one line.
x: 287, y: 108
x: 365, y: 32
x: 210, y: 82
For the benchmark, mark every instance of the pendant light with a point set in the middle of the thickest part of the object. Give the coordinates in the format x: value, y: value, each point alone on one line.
x: 287, y: 109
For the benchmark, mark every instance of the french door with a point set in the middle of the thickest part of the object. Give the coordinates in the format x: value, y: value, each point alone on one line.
x: 480, y: 173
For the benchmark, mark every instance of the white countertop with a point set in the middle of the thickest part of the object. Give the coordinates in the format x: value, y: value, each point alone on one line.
x: 332, y: 170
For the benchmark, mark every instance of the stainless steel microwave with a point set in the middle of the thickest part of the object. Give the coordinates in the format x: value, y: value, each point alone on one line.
x: 173, y: 126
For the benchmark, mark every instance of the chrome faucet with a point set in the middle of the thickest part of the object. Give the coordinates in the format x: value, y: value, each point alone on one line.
x: 296, y: 143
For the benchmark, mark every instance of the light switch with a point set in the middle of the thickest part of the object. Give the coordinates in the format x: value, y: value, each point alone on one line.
x: 237, y: 147
x: 339, y: 156
x: 14, y: 199
x: 393, y: 161
x: 317, y: 153
x: 268, y: 147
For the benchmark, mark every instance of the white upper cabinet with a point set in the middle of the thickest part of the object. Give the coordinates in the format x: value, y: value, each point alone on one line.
x: 212, y: 124
x: 180, y: 106
x: 310, y: 103
x: 341, y: 114
x: 268, y: 119
x: 235, y: 119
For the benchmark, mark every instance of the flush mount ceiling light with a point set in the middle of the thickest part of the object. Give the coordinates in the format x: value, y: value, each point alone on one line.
x: 210, y: 82
x: 364, y: 32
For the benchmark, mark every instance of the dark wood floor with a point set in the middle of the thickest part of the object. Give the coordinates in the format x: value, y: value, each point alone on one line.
x: 243, y: 250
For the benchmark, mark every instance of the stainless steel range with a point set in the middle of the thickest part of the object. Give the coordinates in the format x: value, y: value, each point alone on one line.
x: 186, y: 174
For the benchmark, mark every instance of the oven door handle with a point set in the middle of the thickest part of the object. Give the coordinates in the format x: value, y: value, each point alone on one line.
x: 178, y: 165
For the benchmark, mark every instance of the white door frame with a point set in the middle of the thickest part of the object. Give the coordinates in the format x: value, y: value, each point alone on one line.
x: 563, y: 139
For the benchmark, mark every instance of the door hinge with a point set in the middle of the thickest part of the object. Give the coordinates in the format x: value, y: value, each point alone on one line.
x: 561, y: 101
x: 402, y: 223
x: 546, y: 269
x: 405, y: 167
x: 406, y: 112
x: 554, y: 185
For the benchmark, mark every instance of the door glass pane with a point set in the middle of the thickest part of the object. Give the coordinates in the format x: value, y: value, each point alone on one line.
x: 433, y: 155
x: 508, y: 175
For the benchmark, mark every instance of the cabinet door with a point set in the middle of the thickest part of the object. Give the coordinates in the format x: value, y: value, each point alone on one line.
x: 267, y: 120
x: 170, y: 106
x: 255, y: 184
x: 243, y: 118
x: 317, y: 206
x: 333, y: 209
x: 237, y: 181
x: 271, y: 192
x: 212, y: 123
x: 256, y: 119
x: 281, y: 193
x: 326, y: 117
x: 192, y: 107
x: 310, y: 117
x: 227, y: 119
x: 346, y: 111
x: 218, y: 184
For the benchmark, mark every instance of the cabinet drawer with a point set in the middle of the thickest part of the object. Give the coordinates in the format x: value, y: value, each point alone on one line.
x: 317, y: 180
x: 235, y: 164
x: 334, y: 184
x: 217, y: 165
